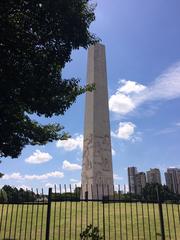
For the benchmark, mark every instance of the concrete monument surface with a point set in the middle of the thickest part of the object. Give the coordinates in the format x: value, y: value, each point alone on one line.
x: 97, y: 173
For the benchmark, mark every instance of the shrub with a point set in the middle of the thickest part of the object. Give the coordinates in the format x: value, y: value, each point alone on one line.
x: 91, y: 233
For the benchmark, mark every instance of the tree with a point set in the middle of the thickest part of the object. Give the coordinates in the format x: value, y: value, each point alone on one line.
x: 3, y: 196
x: 77, y: 192
x: 36, y: 41
x: 1, y: 174
x: 14, y: 195
x: 150, y: 192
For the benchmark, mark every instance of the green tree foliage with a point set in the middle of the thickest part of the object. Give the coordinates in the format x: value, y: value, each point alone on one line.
x: 3, y: 196
x: 36, y: 41
x: 72, y: 195
x: 15, y: 195
x: 1, y: 174
x: 77, y: 192
x: 153, y: 191
x: 91, y: 233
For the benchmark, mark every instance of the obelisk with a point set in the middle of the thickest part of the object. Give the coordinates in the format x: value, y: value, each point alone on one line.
x: 97, y: 173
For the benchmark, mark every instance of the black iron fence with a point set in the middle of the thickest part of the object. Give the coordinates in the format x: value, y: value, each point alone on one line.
x: 61, y: 214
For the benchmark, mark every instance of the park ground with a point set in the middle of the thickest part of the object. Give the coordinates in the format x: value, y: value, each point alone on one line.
x: 69, y: 219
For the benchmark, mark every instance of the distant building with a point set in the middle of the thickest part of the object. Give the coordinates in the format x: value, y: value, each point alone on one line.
x: 132, y: 171
x: 140, y: 180
x: 154, y: 176
x: 172, y: 177
x: 178, y: 180
x: 169, y: 181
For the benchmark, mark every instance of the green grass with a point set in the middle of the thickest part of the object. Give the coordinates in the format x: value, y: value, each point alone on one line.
x: 69, y: 219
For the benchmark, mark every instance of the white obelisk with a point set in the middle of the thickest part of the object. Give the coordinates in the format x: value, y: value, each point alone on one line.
x: 97, y: 173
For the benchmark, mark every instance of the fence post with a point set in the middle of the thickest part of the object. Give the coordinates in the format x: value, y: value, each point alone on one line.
x: 160, y: 215
x: 48, y: 214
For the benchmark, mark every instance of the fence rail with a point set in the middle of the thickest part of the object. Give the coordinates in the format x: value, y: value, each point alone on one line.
x: 62, y: 215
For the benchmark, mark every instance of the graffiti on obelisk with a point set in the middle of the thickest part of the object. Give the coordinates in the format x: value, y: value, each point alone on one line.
x: 97, y: 156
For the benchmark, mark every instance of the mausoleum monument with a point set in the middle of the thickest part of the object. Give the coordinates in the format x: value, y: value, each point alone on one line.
x: 97, y: 173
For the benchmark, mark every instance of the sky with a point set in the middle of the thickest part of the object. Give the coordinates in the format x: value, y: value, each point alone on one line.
x: 143, y: 64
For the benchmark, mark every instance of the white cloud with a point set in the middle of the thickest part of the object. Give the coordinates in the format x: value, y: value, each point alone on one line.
x: 137, y: 137
x: 131, y: 94
x: 172, y: 167
x: 178, y: 124
x: 70, y: 187
x: 70, y: 166
x: 71, y: 144
x: 172, y: 129
x: 130, y: 87
x: 167, y: 85
x: 38, y: 157
x: 14, y: 176
x: 120, y: 103
x: 25, y: 187
x: 125, y: 131
x: 117, y: 177
x: 18, y: 176
x: 113, y: 152
x: 165, y: 131
x: 126, y: 188
x: 74, y: 180
x: 55, y: 174
x: 49, y: 185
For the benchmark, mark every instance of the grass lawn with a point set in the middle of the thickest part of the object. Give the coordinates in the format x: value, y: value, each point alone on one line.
x: 68, y: 219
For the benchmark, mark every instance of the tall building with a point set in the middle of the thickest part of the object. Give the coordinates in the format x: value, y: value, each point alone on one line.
x: 172, y: 177
x: 97, y: 156
x: 132, y: 171
x: 169, y: 181
x: 140, y: 180
x: 178, y: 180
x: 154, y: 176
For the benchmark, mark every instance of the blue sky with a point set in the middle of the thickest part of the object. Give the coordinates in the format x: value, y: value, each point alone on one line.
x: 143, y: 63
